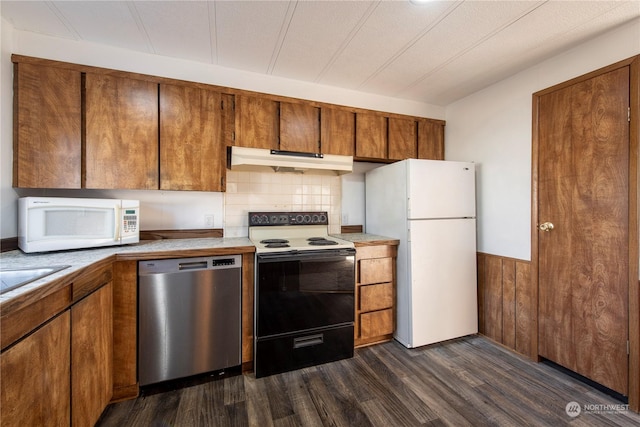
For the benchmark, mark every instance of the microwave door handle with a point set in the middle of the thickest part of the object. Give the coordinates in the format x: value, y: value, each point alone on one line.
x: 118, y: 224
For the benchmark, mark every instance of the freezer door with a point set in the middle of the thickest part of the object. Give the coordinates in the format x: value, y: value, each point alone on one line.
x: 443, y: 280
x: 441, y: 189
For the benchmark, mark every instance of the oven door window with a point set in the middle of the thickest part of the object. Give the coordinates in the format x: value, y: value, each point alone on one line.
x: 304, y: 292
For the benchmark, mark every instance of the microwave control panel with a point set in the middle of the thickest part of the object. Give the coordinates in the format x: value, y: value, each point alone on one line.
x: 130, y: 220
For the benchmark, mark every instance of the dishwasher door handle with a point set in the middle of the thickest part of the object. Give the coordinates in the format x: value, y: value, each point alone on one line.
x: 192, y: 265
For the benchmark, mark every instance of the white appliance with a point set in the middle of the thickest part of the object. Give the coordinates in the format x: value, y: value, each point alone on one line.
x: 59, y: 223
x: 260, y: 159
x: 429, y: 205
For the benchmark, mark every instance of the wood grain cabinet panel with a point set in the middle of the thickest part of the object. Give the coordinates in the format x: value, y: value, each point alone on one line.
x: 47, y: 127
x: 430, y: 140
x: 371, y: 136
x: 402, y: 139
x: 125, y: 330
x: 376, y: 297
x: 91, y: 356
x: 192, y: 148
x: 376, y: 270
x: 299, y: 127
x: 121, y: 133
x: 337, y: 131
x: 34, y: 385
x: 375, y: 293
x: 376, y: 324
x: 257, y: 122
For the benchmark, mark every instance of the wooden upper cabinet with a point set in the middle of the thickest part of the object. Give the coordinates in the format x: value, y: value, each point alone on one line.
x: 402, y: 139
x: 371, y: 136
x: 47, y: 127
x: 299, y: 127
x: 337, y: 131
x: 121, y: 133
x: 192, y: 149
x: 257, y: 122
x: 430, y: 140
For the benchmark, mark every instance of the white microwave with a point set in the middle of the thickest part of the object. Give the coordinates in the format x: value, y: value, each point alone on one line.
x: 58, y: 223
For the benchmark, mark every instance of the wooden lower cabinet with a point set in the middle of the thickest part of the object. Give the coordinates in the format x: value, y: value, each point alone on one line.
x: 34, y: 383
x: 61, y: 372
x: 125, y: 330
x: 91, y: 356
x: 375, y: 293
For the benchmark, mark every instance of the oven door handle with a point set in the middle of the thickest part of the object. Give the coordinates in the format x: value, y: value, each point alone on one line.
x: 322, y: 255
x: 308, y: 341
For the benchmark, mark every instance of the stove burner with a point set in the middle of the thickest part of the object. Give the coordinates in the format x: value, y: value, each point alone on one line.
x: 267, y: 241
x: 321, y: 241
x: 277, y: 245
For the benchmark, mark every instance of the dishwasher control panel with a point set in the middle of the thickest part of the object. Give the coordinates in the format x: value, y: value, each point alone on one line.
x: 174, y: 265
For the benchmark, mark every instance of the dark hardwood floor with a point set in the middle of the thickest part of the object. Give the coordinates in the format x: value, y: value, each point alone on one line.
x: 465, y: 382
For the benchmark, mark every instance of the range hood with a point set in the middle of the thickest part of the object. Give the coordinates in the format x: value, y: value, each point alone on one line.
x: 260, y: 159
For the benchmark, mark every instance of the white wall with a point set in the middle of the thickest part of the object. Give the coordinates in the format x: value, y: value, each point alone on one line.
x: 8, y: 214
x: 493, y: 128
x: 162, y: 209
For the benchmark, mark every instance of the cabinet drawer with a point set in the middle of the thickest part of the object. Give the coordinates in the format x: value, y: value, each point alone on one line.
x: 376, y: 297
x: 376, y: 323
x: 378, y: 270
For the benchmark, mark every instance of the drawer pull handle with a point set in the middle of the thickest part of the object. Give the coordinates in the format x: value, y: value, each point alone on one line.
x: 308, y: 341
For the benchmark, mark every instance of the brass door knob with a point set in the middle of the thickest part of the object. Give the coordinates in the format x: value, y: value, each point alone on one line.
x: 545, y: 226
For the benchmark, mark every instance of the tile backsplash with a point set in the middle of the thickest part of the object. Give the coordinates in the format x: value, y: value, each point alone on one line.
x: 281, y: 191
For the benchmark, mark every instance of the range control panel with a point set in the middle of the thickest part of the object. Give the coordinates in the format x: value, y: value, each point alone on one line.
x: 287, y: 218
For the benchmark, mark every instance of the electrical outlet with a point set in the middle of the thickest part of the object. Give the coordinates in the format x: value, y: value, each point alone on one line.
x: 208, y: 221
x: 345, y: 219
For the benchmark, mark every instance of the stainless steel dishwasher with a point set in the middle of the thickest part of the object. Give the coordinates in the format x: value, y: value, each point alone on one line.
x: 189, y: 316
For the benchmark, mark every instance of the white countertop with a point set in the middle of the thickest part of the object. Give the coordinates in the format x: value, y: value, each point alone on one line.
x: 79, y: 259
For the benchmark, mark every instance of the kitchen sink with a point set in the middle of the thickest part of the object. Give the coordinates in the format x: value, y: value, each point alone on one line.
x: 12, y: 278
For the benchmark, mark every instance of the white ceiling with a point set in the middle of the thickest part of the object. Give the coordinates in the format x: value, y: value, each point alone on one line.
x: 435, y: 53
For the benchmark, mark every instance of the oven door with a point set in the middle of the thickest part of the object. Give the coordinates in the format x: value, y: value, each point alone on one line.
x: 297, y: 291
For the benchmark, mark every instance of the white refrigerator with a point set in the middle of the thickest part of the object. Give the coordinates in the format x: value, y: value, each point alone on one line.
x: 429, y: 205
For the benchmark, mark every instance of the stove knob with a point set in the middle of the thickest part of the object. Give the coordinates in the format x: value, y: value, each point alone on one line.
x: 299, y: 219
x: 274, y: 219
x: 264, y: 219
x: 323, y: 218
x: 307, y: 219
x: 314, y: 219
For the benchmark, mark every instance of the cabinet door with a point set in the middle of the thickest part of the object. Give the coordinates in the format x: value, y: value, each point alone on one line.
x: 125, y: 330
x: 257, y: 122
x: 121, y: 133
x: 192, y: 150
x: 371, y: 136
x: 91, y: 356
x: 402, y: 139
x: 338, y: 131
x: 376, y: 323
x: 430, y: 140
x: 375, y: 270
x: 35, y: 387
x: 376, y: 297
x: 299, y: 127
x: 47, y: 117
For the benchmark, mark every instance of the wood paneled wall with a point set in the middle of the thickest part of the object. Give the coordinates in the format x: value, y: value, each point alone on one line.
x: 506, y: 306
